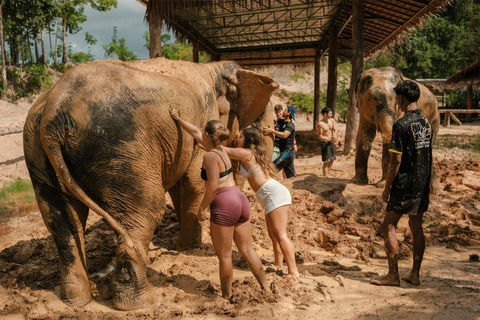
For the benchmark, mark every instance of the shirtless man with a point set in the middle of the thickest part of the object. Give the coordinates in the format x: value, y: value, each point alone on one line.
x: 326, y: 133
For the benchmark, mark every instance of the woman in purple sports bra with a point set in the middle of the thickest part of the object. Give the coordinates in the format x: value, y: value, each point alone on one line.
x: 229, y: 207
x: 274, y: 197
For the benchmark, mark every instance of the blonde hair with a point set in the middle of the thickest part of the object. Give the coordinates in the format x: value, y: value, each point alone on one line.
x: 217, y: 131
x: 254, y: 142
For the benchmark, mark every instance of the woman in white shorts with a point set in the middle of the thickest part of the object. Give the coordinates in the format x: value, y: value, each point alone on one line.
x: 274, y: 197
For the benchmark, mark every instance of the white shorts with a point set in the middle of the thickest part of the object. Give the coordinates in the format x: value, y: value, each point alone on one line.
x: 273, y: 195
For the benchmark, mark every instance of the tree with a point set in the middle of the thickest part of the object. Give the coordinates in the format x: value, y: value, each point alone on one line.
x: 443, y: 46
x: 2, y: 44
x: 176, y: 50
x: 72, y: 16
x: 118, y: 47
x: 82, y: 56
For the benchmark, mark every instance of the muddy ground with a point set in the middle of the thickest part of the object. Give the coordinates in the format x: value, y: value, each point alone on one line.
x: 334, y: 225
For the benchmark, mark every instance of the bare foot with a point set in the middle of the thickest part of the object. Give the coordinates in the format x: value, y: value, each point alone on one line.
x: 386, y: 280
x: 413, y: 279
x: 295, y: 275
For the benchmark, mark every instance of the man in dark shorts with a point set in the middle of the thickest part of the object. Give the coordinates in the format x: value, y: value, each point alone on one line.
x: 287, y: 142
x: 326, y: 133
x: 408, y: 182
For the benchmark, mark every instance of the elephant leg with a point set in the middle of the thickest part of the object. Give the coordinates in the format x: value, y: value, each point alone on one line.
x: 176, y: 195
x: 192, y: 190
x: 365, y: 136
x: 65, y: 218
x: 131, y: 287
x: 386, y: 130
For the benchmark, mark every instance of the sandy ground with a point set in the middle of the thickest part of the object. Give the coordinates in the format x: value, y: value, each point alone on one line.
x: 334, y: 225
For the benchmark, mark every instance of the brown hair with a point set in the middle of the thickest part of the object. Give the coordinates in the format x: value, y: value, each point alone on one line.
x: 254, y: 142
x: 217, y: 131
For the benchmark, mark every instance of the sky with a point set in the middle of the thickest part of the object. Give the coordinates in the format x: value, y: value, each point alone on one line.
x: 128, y: 17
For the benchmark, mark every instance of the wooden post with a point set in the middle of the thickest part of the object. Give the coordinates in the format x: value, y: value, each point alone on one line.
x: 2, y: 44
x: 195, y: 52
x: 358, y: 9
x: 316, y: 89
x: 155, y: 31
x: 332, y: 68
x: 469, y: 101
x: 452, y: 116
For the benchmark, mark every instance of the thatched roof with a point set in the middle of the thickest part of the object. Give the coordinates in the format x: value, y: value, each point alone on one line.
x: 438, y: 85
x: 467, y: 76
x: 262, y: 32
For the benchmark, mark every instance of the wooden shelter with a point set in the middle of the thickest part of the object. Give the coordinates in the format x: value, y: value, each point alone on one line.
x: 275, y: 32
x: 468, y: 78
x: 266, y: 32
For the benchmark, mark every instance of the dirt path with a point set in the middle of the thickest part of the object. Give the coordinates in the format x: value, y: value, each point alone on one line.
x: 335, y: 227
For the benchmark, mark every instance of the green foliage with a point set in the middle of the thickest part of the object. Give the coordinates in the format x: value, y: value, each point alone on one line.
x: 82, y: 56
x: 119, y: 48
x: 476, y: 144
x: 38, y: 78
x: 303, y: 102
x: 33, y: 79
x: 295, y: 77
x: 443, y: 46
x: 342, y: 103
x: 16, y: 191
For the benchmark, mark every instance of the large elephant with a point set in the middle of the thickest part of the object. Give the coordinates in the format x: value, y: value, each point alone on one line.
x: 378, y: 111
x: 103, y: 139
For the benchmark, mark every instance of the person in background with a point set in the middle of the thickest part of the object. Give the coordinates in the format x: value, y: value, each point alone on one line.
x: 407, y: 185
x: 287, y: 142
x: 326, y: 133
x: 229, y: 207
x: 277, y: 123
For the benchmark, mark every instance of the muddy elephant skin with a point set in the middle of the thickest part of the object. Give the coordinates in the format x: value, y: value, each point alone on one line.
x: 378, y: 111
x: 103, y: 139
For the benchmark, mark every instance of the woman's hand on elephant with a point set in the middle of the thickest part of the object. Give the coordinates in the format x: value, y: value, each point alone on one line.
x: 174, y: 113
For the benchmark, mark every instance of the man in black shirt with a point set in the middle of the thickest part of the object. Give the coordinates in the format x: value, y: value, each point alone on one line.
x: 287, y: 142
x: 408, y: 182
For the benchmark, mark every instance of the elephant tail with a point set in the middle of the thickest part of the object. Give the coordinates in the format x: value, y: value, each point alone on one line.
x: 54, y: 152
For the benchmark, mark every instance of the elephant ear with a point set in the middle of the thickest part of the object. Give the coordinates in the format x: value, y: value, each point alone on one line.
x: 249, y: 93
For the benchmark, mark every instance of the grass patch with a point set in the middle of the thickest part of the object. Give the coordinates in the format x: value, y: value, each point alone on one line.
x: 295, y: 77
x: 18, y: 191
x: 470, y: 143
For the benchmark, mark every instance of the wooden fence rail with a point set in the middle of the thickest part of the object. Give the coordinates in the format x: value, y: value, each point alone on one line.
x: 449, y: 114
x: 4, y: 132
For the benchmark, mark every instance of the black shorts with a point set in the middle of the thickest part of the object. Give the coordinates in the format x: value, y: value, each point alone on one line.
x: 406, y: 205
x: 285, y: 161
x: 328, y: 151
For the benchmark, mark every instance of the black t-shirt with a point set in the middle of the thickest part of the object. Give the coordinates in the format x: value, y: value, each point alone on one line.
x: 287, y: 143
x: 277, y: 125
x: 412, y: 138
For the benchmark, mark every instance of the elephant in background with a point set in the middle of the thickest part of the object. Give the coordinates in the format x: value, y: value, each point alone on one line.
x: 378, y: 111
x: 103, y: 139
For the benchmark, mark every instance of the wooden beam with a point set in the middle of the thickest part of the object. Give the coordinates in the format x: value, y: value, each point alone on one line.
x: 469, y: 101
x: 451, y: 115
x: 155, y: 32
x: 316, y: 89
x: 358, y: 9
x: 469, y: 111
x: 332, y: 69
